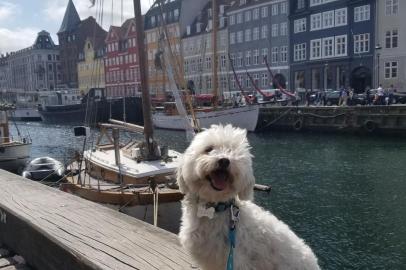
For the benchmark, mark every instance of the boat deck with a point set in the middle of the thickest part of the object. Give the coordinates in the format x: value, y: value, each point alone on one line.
x: 52, y: 229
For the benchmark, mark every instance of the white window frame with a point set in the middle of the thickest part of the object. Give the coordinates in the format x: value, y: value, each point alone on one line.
x: 284, y: 54
x: 247, y: 35
x: 239, y: 17
x: 264, y: 80
x: 389, y: 67
x: 275, y: 30
x: 274, y: 54
x: 240, y: 37
x: 328, y: 19
x: 339, y: 41
x: 232, y: 19
x: 315, y: 21
x: 362, y: 43
x: 264, y: 12
x: 299, y: 52
x: 300, y: 25
x: 393, y: 33
x: 255, y: 14
x: 264, y: 52
x: 315, y: 2
x: 341, y: 17
x: 264, y: 31
x: 362, y: 13
x: 248, y: 59
x: 284, y: 29
x: 391, y: 7
x: 247, y: 16
x: 255, y: 58
x: 255, y: 33
x: 327, y: 46
x: 275, y: 9
x: 284, y: 8
x: 315, y: 44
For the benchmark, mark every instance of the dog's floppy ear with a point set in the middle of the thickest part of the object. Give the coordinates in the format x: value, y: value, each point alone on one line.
x: 179, y: 179
x: 247, y: 193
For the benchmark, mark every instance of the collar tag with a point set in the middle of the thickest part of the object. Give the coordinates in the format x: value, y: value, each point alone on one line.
x: 205, y: 211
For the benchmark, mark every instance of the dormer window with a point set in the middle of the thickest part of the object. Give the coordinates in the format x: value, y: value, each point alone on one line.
x: 198, y: 27
x: 222, y: 22
x: 209, y: 13
x: 209, y: 25
x: 221, y: 9
x: 188, y: 30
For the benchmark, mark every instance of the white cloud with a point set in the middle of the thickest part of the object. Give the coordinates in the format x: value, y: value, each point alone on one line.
x: 55, y: 10
x: 7, y: 10
x: 16, y: 39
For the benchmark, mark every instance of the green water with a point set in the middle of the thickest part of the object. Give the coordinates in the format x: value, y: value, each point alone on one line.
x: 345, y: 195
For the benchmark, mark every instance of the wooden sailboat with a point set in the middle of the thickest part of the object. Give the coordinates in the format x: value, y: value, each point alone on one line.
x: 243, y: 116
x: 138, y: 177
x: 14, y: 152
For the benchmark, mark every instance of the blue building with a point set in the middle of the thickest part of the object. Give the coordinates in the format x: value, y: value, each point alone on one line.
x: 332, y: 44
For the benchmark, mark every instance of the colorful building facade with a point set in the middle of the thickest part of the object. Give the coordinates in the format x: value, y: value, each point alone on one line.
x: 121, y: 66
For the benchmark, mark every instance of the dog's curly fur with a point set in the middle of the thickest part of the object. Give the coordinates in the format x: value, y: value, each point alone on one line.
x: 262, y: 241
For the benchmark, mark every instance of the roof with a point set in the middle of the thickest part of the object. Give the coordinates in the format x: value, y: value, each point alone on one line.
x: 168, y: 9
x: 71, y: 18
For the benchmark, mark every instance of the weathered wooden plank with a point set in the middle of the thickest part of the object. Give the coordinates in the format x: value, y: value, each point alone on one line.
x: 56, y: 230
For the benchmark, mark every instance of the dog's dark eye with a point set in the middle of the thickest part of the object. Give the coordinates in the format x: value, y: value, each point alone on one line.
x: 208, y: 149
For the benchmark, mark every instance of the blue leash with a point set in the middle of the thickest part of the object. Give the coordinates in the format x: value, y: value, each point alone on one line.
x: 235, y: 212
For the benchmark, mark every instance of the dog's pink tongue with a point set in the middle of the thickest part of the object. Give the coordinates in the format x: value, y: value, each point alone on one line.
x: 219, y: 180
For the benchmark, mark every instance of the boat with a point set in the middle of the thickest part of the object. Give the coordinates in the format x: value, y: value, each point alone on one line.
x: 14, y: 152
x: 44, y: 169
x: 137, y: 177
x: 26, y: 104
x: 69, y: 106
x: 243, y: 116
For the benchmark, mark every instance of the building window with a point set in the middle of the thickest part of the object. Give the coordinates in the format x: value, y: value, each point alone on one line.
x: 239, y: 18
x: 232, y: 38
x: 299, y: 79
x: 328, y: 47
x: 264, y: 55
x: 284, y: 29
x: 341, y: 17
x: 248, y: 35
x: 315, y: 49
x: 275, y: 28
x: 391, y: 70
x: 255, y: 59
x: 223, y: 61
x: 315, y: 22
x: 255, y: 33
x: 391, y: 39
x: 275, y: 9
x: 361, y: 43
x: 274, y: 54
x: 264, y: 12
x: 299, y: 52
x: 362, y: 13
x: 328, y: 19
x: 392, y: 7
x: 255, y: 14
x: 208, y: 63
x: 248, y: 16
x: 240, y: 36
x: 239, y: 59
x: 315, y: 2
x: 232, y: 19
x: 284, y: 7
x: 264, y: 31
x: 284, y: 54
x: 300, y: 25
x: 341, y: 45
x: 248, y: 58
x: 264, y: 79
x: 248, y: 81
x: 300, y: 4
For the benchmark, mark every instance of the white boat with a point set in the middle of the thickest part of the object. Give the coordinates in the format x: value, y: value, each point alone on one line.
x: 44, y: 169
x: 245, y: 117
x: 14, y: 152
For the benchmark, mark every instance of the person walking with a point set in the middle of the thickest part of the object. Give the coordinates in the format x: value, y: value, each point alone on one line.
x: 380, y: 95
x: 351, y: 97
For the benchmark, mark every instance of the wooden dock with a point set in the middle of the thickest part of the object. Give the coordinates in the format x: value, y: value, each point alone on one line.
x: 348, y: 119
x: 52, y: 229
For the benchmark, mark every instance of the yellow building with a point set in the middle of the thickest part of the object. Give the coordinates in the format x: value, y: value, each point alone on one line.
x: 158, y: 81
x: 91, y: 65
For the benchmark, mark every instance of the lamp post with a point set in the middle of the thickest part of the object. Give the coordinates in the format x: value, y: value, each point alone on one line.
x: 377, y: 49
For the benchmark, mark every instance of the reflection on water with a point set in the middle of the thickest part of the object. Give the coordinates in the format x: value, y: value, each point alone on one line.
x: 346, y: 196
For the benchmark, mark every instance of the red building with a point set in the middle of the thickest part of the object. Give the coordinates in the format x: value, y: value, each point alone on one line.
x: 121, y: 61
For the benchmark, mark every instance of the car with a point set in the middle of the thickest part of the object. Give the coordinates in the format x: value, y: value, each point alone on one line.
x: 332, y: 97
x: 400, y: 97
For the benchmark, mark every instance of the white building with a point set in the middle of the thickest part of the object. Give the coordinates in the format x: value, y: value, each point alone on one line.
x: 391, y: 44
x: 36, y: 67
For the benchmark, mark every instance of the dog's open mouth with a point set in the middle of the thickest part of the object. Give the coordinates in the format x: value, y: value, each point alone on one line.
x: 218, y: 179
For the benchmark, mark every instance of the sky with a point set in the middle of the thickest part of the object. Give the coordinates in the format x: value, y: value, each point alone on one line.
x: 21, y: 20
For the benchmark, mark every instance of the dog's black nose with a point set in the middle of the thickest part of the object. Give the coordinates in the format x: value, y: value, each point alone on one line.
x: 224, y: 163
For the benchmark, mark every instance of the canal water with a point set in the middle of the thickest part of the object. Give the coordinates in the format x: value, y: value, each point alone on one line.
x: 345, y: 195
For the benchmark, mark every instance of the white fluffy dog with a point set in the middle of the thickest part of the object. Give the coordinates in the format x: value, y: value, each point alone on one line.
x: 217, y: 179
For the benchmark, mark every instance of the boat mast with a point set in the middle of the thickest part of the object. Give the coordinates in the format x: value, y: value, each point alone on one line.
x: 215, y: 60
x: 146, y: 102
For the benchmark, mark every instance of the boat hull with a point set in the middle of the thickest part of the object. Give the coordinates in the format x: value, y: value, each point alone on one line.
x: 14, y: 156
x: 242, y: 117
x: 26, y: 114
